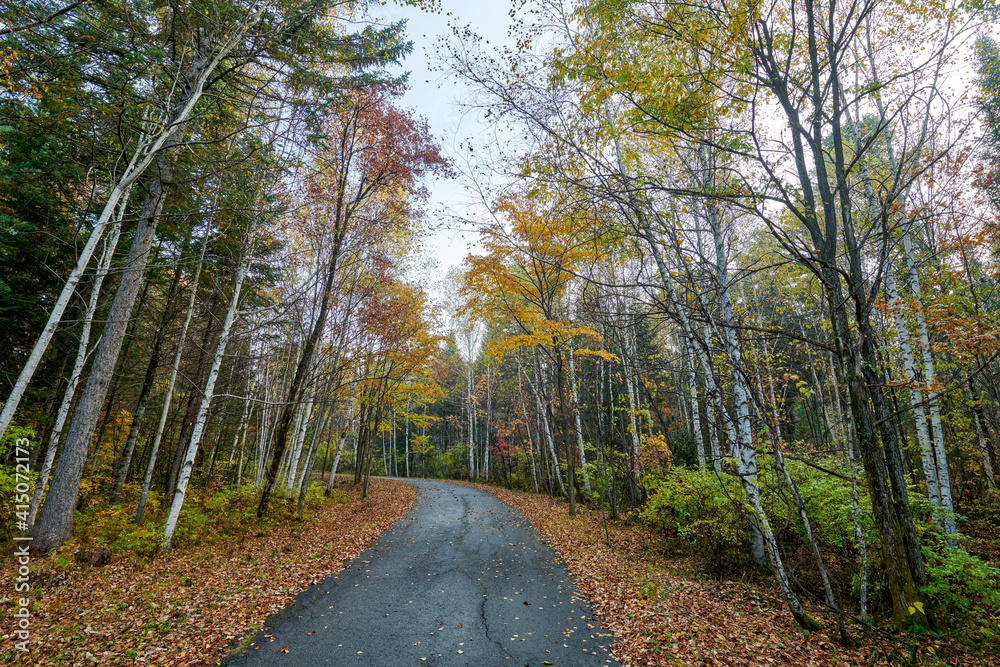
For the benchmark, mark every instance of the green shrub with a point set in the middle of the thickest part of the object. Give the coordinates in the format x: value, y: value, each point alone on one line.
x: 111, y: 526
x: 10, y: 439
x: 828, y: 503
x: 701, y: 513
x: 190, y: 524
x: 962, y: 586
x: 10, y: 499
x: 140, y: 541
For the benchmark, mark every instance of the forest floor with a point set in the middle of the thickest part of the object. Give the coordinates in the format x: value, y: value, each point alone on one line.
x: 663, y: 613
x: 188, y: 607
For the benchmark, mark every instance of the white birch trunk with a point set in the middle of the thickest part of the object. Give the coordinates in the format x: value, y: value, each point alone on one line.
x: 489, y: 411
x: 916, y: 394
x: 715, y: 408
x: 303, y: 485
x: 282, y: 477
x: 54, y: 525
x: 392, y: 452
x: 544, y: 422
x: 743, y: 448
x: 630, y: 389
x: 303, y: 479
x: 527, y: 428
x: 336, y: 461
x: 171, y: 383
x: 351, y: 426
x: 930, y: 377
x: 296, y: 453
x: 906, y: 351
x: 244, y: 425
x: 579, y: 427
x: 940, y: 458
x: 184, y: 476
x: 145, y: 153
x: 81, y: 358
x: 240, y: 434
x: 748, y: 474
x: 544, y: 416
x: 472, y: 436
x: 824, y: 575
x: 699, y: 439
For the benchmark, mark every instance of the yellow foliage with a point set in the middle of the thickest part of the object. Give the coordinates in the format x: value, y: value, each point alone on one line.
x: 654, y: 453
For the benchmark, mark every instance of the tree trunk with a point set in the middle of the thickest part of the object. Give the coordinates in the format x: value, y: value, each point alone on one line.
x: 148, y: 150
x: 147, y: 384
x: 471, y: 413
x: 294, y: 395
x: 81, y: 358
x: 297, y: 443
x: 543, y: 417
x: 579, y: 427
x: 306, y: 471
x: 564, y: 427
x: 191, y: 411
x: 171, y: 383
x: 109, y: 404
x: 55, y: 521
x: 699, y: 439
x: 351, y: 425
x: 206, y: 401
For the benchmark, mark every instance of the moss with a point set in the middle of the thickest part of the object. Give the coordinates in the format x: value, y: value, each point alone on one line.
x: 809, y: 623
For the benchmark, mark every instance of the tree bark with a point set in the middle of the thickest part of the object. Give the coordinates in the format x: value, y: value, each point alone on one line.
x: 81, y: 358
x: 55, y: 521
x: 206, y: 401
x: 171, y: 383
x: 147, y: 384
x: 579, y: 427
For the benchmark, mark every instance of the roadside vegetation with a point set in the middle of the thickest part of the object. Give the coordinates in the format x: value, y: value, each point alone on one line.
x: 683, y: 592
x: 107, y: 597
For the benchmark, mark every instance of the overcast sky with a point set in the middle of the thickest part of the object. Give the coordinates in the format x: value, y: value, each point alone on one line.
x: 436, y: 96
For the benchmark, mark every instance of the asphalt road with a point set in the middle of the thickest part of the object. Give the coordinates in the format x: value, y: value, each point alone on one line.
x: 463, y: 579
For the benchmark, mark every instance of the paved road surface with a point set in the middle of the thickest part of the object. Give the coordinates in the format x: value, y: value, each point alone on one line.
x: 462, y: 580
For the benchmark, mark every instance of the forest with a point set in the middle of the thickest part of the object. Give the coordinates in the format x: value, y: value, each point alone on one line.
x: 737, y: 288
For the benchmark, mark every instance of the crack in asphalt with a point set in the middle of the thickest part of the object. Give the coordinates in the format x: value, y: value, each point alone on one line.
x: 486, y: 621
x: 411, y: 598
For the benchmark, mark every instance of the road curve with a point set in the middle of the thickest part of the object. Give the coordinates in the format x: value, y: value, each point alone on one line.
x: 463, y: 579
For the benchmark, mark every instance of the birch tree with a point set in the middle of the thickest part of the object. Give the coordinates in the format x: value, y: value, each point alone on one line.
x: 160, y: 134
x: 373, y: 151
x: 236, y: 38
x: 207, y: 395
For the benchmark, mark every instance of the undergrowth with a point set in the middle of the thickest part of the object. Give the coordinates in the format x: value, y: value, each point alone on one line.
x: 218, y: 515
x: 702, y: 516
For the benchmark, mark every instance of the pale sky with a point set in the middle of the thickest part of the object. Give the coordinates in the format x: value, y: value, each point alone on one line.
x: 436, y: 96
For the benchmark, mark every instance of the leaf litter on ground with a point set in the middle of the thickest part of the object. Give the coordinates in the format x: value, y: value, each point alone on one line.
x: 189, y: 606
x: 661, y: 614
